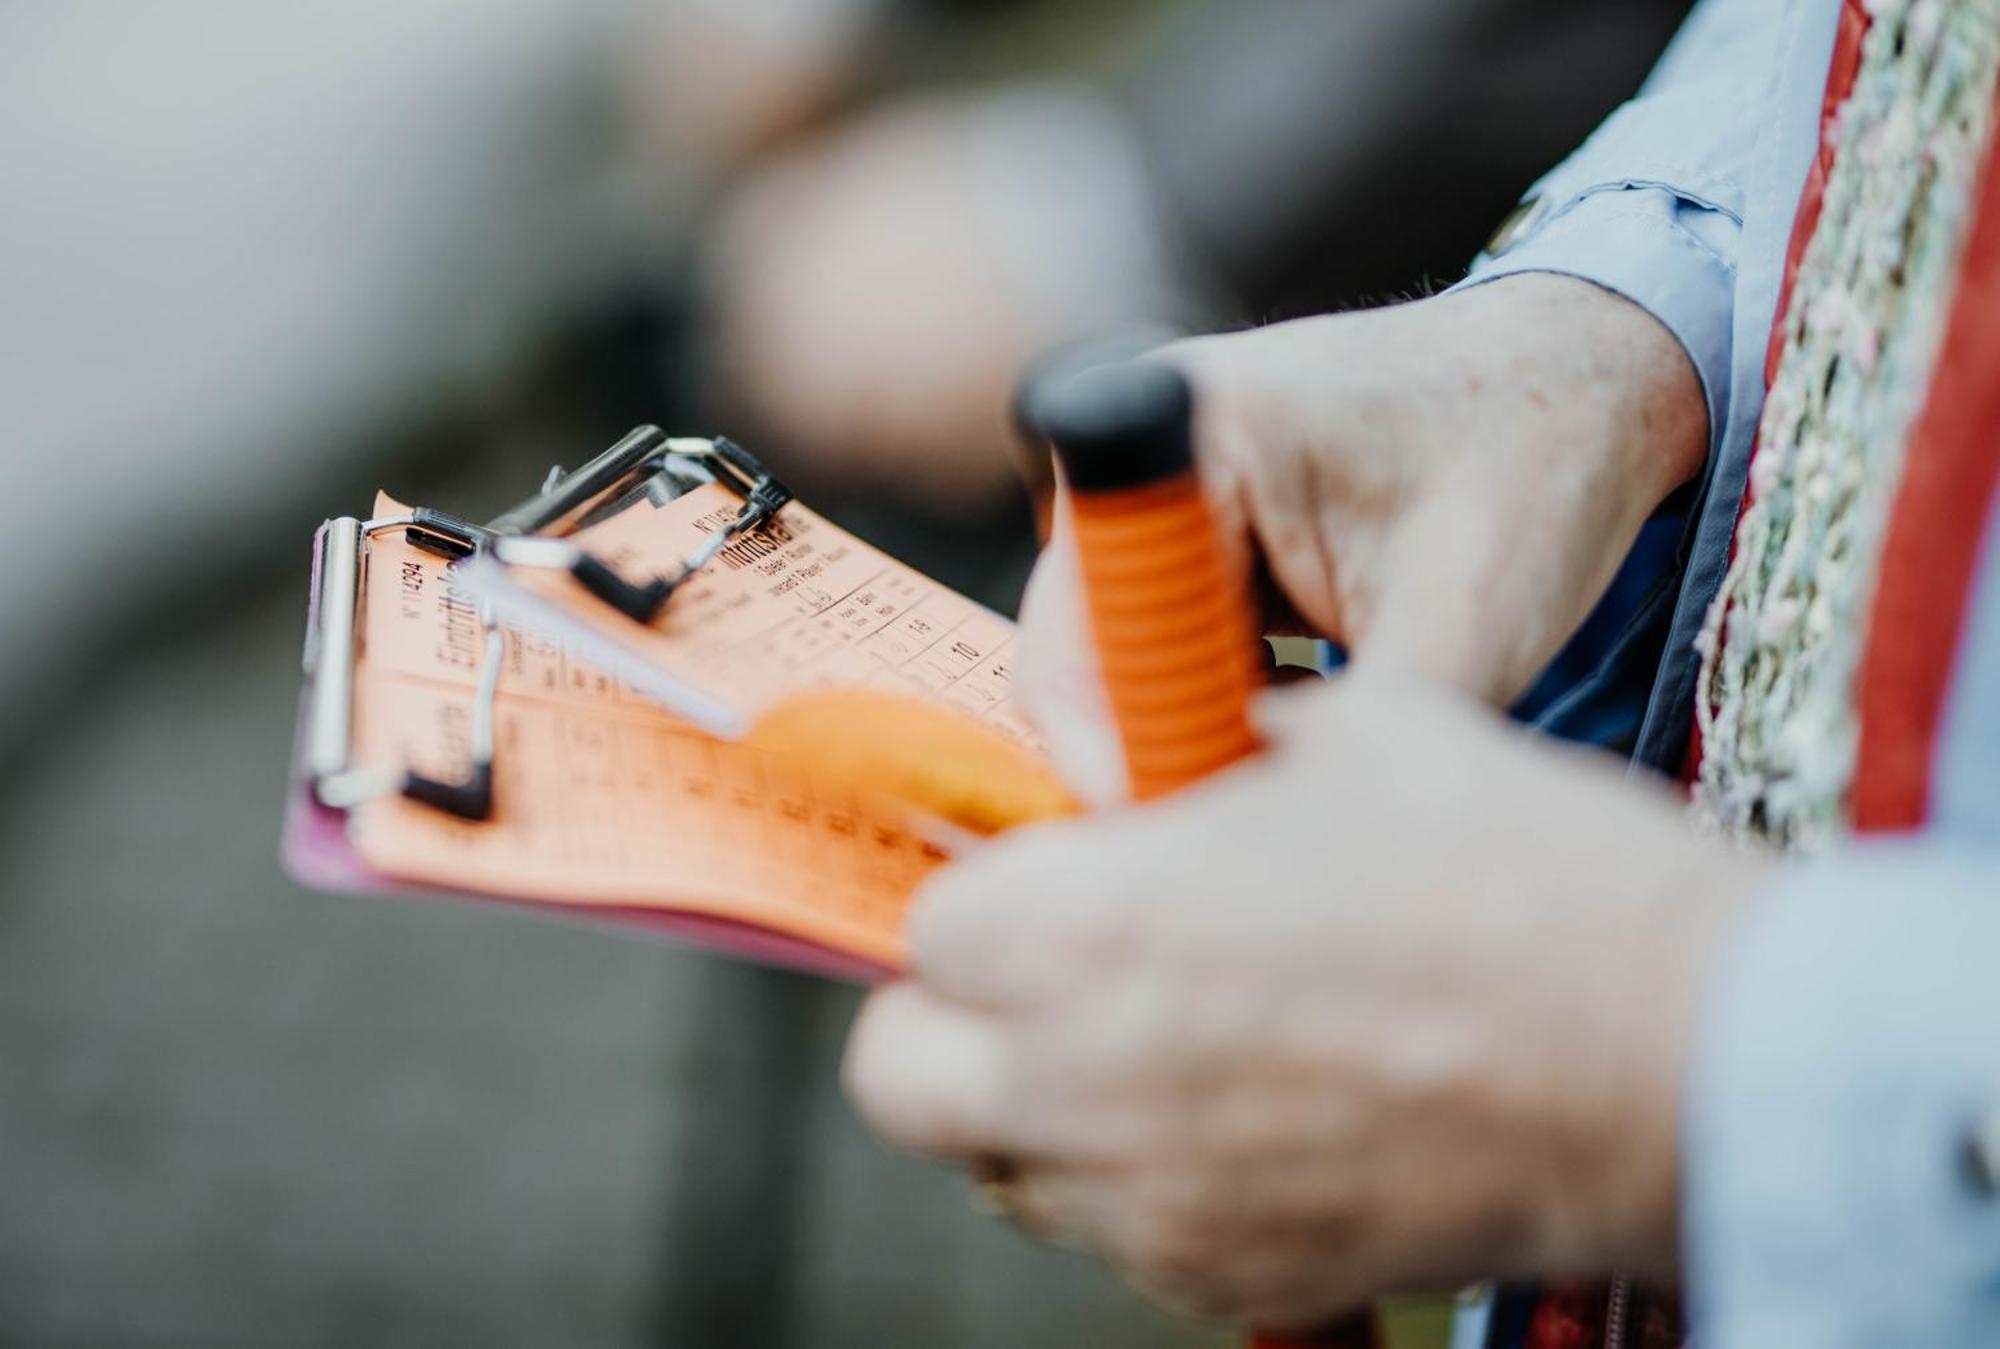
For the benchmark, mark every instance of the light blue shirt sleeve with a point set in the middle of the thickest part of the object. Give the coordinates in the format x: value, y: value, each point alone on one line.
x: 1848, y: 1067
x: 1842, y: 1139
x: 1651, y: 207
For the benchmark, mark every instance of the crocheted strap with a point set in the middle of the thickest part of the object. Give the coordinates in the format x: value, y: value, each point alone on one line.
x: 1843, y: 71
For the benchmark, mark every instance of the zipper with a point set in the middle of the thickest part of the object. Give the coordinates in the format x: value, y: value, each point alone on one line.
x: 1617, y: 1312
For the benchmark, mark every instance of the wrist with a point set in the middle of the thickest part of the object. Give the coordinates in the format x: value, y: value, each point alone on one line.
x: 1577, y: 413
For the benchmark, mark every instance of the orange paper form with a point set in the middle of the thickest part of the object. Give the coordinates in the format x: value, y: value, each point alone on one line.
x: 799, y: 604
x: 604, y: 799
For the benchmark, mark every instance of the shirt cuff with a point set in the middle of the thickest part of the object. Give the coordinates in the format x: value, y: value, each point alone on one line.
x: 1665, y: 253
x: 1840, y: 1130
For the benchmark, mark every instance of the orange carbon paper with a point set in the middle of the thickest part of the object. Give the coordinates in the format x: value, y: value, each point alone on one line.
x: 604, y: 799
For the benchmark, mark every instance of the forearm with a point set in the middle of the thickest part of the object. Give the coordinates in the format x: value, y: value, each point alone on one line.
x: 1581, y: 413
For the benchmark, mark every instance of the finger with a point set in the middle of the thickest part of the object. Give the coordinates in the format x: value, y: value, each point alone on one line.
x: 1092, y: 1209
x: 1029, y: 920
x: 1312, y: 1290
x: 1289, y: 714
x: 1202, y: 1300
x: 929, y: 1076
x: 1263, y: 499
x: 1277, y: 616
x: 1064, y: 1206
x: 1061, y: 686
x: 1188, y: 1292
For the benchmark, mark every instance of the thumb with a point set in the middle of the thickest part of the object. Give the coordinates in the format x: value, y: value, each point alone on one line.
x: 1061, y: 686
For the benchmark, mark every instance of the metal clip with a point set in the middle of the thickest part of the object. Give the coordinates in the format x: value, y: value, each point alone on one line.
x: 334, y: 646
x: 645, y: 465
x: 638, y: 468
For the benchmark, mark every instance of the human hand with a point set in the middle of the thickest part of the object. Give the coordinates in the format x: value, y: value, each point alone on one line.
x: 1401, y: 1004
x: 1446, y: 487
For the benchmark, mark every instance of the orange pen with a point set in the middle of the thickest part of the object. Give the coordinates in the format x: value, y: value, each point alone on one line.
x: 1171, y: 619
x: 1173, y: 630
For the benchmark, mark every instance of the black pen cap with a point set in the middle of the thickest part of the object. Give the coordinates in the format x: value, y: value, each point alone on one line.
x: 1117, y: 426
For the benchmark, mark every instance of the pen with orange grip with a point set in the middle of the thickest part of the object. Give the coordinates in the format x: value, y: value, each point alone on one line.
x: 1170, y: 617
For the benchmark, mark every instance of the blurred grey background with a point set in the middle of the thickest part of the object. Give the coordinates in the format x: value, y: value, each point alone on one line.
x: 257, y: 260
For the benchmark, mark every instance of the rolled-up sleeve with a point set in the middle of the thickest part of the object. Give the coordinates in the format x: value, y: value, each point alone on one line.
x: 1651, y: 207
x: 1843, y: 1115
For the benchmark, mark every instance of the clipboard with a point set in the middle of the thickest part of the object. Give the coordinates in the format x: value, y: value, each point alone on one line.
x: 443, y: 752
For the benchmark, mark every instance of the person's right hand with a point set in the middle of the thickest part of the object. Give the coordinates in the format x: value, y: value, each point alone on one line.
x: 1445, y: 487
x: 1405, y: 1001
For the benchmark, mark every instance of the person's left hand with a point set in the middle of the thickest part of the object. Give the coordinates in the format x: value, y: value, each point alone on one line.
x: 1401, y: 1004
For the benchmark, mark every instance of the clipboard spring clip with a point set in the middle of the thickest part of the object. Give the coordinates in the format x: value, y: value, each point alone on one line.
x: 332, y: 646
x: 646, y: 465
